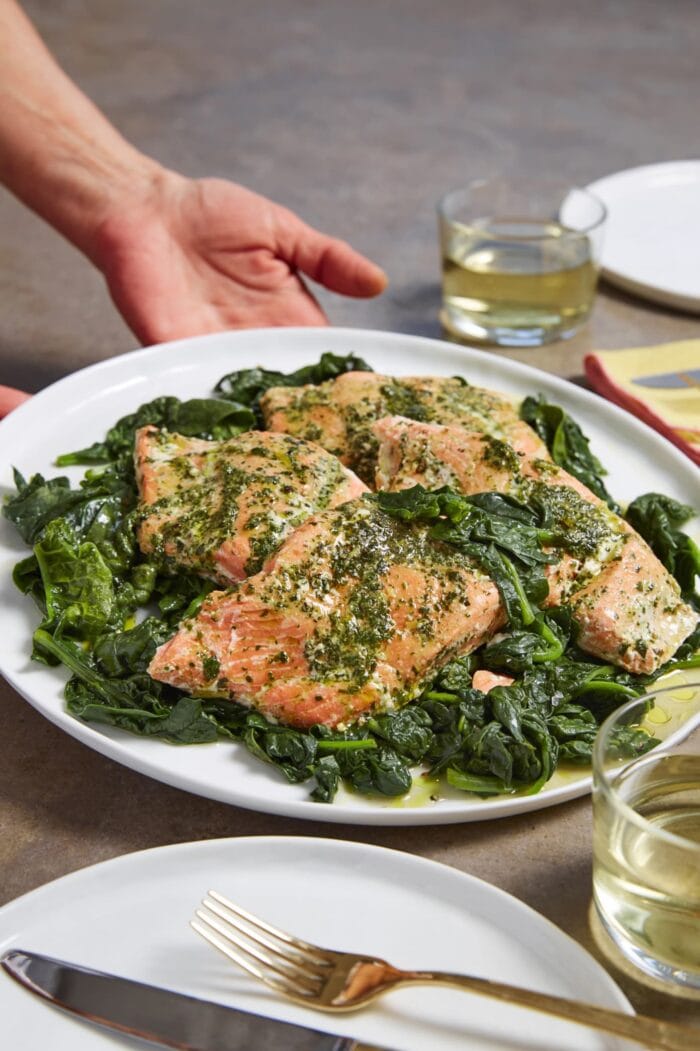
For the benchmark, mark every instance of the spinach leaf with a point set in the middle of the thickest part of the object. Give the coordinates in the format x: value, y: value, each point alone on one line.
x: 180, y: 597
x: 79, y: 594
x: 478, y: 784
x: 210, y: 418
x: 575, y: 728
x: 520, y: 650
x: 37, y: 502
x: 378, y: 771
x: 656, y: 518
x: 95, y: 510
x: 407, y: 731
x: 418, y: 504
x: 183, y: 722
x: 119, y: 654
x: 456, y: 677
x: 368, y: 765
x: 688, y: 654
x: 246, y: 386
x: 567, y: 444
x: 136, y: 703
x: 629, y: 742
x: 491, y: 520
x: 328, y: 776
x: 291, y: 750
x: 27, y: 578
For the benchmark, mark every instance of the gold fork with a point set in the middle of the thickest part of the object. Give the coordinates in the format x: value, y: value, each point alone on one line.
x: 343, y: 981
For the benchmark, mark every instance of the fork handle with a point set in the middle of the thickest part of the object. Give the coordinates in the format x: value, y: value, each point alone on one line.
x: 651, y: 1032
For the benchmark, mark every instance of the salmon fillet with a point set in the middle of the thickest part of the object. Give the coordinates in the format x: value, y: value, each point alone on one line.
x: 355, y: 612
x: 631, y: 613
x: 627, y: 605
x: 485, y: 681
x: 412, y: 453
x: 339, y: 414
x: 431, y: 455
x: 220, y: 508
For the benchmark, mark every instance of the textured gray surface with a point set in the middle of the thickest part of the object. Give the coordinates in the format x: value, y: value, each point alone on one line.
x: 358, y: 115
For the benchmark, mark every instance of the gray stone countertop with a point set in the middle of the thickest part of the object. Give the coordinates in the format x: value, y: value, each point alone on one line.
x: 358, y: 116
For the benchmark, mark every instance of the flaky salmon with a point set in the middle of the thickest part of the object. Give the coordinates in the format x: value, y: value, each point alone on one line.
x: 221, y: 508
x: 627, y: 605
x: 485, y: 681
x: 413, y: 453
x: 339, y: 414
x: 355, y: 612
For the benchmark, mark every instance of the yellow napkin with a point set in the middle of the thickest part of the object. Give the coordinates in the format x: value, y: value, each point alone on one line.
x: 660, y: 385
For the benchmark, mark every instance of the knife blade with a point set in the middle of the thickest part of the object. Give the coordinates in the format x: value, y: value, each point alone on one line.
x: 161, y: 1016
x: 670, y: 380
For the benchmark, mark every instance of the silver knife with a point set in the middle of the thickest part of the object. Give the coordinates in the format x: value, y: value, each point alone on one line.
x: 161, y: 1016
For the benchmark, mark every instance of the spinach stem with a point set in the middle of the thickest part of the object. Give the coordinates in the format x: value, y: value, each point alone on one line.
x: 555, y: 648
x: 347, y: 746
x: 525, y: 607
x: 604, y: 686
x: 691, y: 662
x: 68, y: 657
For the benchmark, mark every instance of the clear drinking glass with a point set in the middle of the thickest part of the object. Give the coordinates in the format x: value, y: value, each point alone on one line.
x: 646, y: 839
x: 520, y: 261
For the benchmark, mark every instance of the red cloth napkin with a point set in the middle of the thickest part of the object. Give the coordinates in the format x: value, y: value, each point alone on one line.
x: 660, y: 385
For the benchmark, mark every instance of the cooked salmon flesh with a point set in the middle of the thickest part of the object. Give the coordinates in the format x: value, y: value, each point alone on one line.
x: 221, y: 508
x: 339, y: 414
x: 355, y: 612
x: 627, y: 606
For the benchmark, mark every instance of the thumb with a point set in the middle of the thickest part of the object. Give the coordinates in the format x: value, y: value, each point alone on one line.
x: 333, y: 263
x: 10, y: 399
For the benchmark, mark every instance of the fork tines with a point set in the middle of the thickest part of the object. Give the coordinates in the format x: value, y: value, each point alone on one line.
x: 285, y: 963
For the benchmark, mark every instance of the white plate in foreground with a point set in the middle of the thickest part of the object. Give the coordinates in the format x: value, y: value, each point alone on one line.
x: 76, y: 411
x: 651, y: 245
x: 130, y: 916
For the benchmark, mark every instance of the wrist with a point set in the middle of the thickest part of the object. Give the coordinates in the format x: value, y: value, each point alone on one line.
x: 122, y: 189
x: 73, y: 176
x: 98, y: 187
x: 123, y: 222
x: 58, y: 153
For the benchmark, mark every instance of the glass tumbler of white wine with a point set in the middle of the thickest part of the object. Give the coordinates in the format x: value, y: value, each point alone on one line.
x: 520, y: 261
x: 646, y: 838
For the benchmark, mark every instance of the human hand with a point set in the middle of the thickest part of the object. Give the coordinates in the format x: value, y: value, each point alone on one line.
x: 10, y: 399
x: 180, y: 256
x: 196, y: 256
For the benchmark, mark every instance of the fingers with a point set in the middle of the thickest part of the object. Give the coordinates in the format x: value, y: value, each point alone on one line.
x: 330, y: 262
x: 10, y: 399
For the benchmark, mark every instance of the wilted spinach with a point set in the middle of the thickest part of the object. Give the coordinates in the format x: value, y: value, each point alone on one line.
x: 90, y: 582
x: 210, y: 418
x: 567, y: 444
x: 246, y: 386
x: 657, y: 519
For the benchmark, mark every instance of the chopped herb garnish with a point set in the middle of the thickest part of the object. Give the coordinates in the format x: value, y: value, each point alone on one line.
x: 91, y: 583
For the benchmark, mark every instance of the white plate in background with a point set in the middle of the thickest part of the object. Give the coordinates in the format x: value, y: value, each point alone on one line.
x: 651, y: 245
